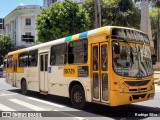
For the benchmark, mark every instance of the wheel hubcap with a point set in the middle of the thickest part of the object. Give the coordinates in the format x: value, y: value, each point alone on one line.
x: 78, y: 97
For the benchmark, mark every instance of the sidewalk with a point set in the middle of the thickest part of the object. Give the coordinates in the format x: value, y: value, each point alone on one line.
x: 157, y: 88
x: 157, y: 77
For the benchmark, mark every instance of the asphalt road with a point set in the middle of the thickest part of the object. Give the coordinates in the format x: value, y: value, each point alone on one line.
x: 56, y: 107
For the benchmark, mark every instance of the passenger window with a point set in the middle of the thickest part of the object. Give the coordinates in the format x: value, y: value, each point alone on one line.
x: 32, y: 58
x: 9, y: 61
x: 23, y: 59
x: 104, y: 57
x: 78, y: 51
x: 58, y: 54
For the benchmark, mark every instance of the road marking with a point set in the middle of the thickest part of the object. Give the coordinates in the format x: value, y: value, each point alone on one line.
x: 2, y: 94
x: 5, y: 108
x: 80, y: 118
x: 46, y: 102
x: 28, y: 105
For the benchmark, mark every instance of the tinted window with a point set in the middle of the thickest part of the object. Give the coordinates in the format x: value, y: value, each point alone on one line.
x: 42, y: 63
x: 77, y: 51
x: 23, y: 59
x: 32, y: 58
x: 9, y: 62
x: 58, y: 54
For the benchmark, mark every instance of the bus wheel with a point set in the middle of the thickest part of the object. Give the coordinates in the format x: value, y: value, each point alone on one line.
x: 24, y: 87
x: 78, y: 97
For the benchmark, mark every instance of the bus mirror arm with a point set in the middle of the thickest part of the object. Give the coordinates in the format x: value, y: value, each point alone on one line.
x: 116, y: 45
x: 115, y: 37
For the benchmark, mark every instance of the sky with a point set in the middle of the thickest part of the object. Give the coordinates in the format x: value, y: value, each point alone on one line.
x: 6, y: 6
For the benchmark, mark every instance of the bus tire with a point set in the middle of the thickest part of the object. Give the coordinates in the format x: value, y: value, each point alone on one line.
x: 24, y: 87
x: 78, y: 97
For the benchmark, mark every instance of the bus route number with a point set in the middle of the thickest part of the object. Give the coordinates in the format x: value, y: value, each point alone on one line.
x: 69, y: 71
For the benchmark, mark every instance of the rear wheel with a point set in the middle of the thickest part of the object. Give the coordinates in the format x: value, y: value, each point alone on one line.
x: 78, y: 97
x: 24, y: 87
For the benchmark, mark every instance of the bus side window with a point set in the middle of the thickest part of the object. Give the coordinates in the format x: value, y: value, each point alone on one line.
x: 78, y: 51
x: 58, y: 54
x: 9, y: 62
x: 23, y: 59
x: 70, y: 55
x: 32, y: 58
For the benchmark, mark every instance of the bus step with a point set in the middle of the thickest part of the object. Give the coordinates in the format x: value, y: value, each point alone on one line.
x: 43, y: 93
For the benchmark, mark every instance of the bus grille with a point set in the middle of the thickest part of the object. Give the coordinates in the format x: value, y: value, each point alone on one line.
x: 137, y: 83
x: 135, y: 97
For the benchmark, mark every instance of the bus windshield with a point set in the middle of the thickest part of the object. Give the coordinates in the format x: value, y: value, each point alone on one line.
x: 134, y: 60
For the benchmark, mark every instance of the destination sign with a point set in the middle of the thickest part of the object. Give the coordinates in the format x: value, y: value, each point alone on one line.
x: 130, y: 35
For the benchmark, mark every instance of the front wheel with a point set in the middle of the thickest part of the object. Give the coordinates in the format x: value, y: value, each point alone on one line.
x: 24, y: 87
x: 78, y: 97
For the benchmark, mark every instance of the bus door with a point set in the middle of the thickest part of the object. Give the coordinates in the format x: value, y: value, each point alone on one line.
x: 14, y: 71
x: 99, y: 72
x: 43, y: 57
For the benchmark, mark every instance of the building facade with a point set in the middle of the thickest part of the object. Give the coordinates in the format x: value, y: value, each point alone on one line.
x: 20, y: 25
x: 47, y: 3
x: 1, y: 26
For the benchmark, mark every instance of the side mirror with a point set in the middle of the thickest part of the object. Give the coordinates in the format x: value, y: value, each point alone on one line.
x: 114, y: 37
x: 116, y: 48
x: 154, y: 59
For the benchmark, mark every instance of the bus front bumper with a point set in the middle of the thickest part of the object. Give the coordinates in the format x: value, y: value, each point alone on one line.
x: 117, y: 98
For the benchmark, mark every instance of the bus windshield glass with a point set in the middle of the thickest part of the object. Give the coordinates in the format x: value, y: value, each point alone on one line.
x: 134, y: 60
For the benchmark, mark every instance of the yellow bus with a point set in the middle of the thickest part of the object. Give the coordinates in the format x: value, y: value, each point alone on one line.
x: 110, y: 65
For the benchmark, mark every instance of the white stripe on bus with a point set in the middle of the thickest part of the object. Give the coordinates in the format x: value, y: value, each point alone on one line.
x: 53, y: 42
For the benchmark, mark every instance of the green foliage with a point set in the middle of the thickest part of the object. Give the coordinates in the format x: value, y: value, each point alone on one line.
x: 154, y: 21
x: 60, y: 20
x: 36, y: 42
x: 6, y: 45
x: 156, y: 3
x: 116, y: 12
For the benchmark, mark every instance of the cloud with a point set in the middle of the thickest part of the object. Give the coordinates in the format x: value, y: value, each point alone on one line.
x: 21, y: 4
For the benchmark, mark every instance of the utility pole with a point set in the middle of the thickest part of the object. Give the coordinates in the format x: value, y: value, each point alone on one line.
x: 145, y: 22
x: 95, y: 13
x: 158, y: 37
x: 97, y: 10
x: 99, y: 13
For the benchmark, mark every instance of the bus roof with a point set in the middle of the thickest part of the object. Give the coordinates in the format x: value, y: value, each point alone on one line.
x: 105, y: 29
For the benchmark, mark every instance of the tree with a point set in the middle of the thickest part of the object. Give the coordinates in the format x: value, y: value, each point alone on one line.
x: 115, y: 12
x: 6, y: 45
x: 60, y: 20
x: 156, y: 3
x: 154, y: 20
